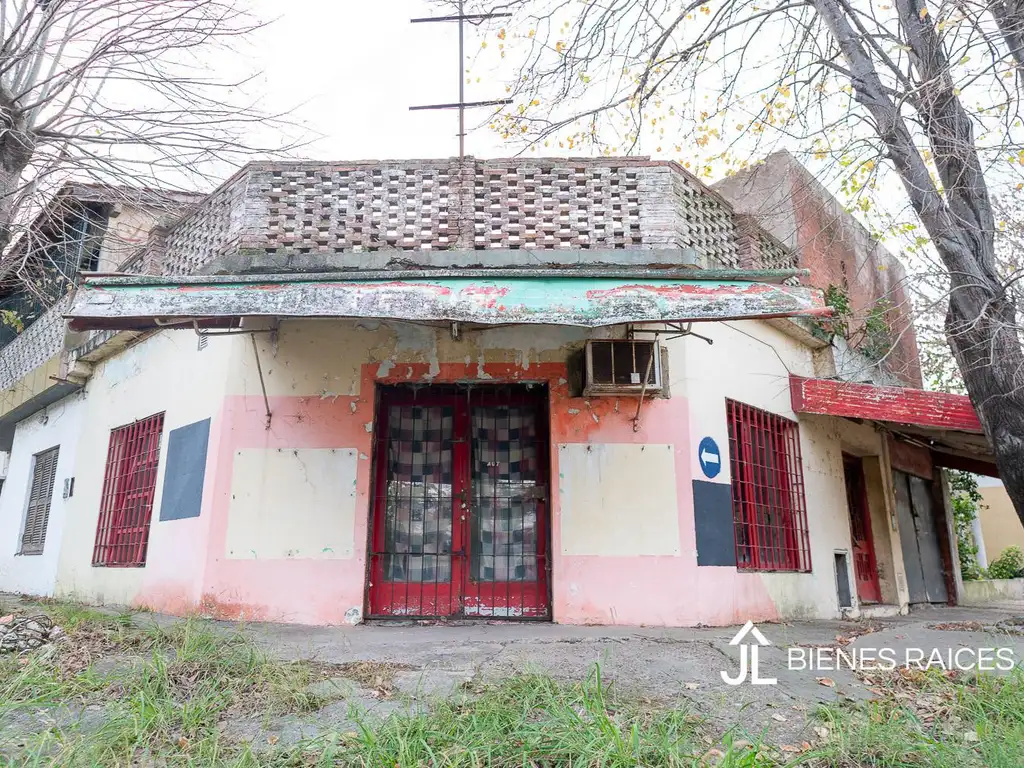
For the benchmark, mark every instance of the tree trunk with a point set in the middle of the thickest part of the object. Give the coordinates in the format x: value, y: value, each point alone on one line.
x: 1009, y: 15
x: 16, y: 147
x: 982, y: 331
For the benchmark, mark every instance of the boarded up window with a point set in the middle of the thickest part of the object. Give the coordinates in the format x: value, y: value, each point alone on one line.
x: 129, y: 486
x: 185, y: 471
x: 44, y: 474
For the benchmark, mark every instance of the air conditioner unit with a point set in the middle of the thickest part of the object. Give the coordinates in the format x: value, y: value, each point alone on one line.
x: 618, y: 366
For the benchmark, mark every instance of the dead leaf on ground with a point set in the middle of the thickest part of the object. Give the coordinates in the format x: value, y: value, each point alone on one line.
x: 826, y: 681
x: 778, y: 718
x: 959, y: 626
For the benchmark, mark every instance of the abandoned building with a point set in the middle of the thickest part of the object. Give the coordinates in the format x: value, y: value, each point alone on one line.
x: 576, y: 390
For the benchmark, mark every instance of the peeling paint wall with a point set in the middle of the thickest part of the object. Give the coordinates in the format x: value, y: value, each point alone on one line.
x: 165, y: 372
x: 750, y: 362
x: 57, y: 425
x: 283, y: 530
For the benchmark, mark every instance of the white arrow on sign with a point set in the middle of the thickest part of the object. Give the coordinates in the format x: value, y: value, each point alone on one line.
x: 710, y: 458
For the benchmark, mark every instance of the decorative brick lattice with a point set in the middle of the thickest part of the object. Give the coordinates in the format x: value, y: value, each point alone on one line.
x: 211, y: 229
x: 705, y: 222
x: 31, y: 349
x: 556, y: 206
x: 758, y: 249
x: 326, y: 209
x: 774, y: 255
x: 280, y: 215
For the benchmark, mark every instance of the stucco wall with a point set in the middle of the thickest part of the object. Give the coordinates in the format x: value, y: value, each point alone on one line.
x: 1000, y: 525
x: 127, y: 230
x: 56, y: 425
x: 750, y: 362
x: 252, y: 554
x: 166, y: 372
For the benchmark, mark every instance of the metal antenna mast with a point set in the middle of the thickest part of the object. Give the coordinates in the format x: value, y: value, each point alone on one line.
x: 462, y: 104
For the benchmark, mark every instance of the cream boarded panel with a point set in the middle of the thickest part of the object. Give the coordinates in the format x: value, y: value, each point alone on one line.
x: 618, y: 500
x: 292, y: 504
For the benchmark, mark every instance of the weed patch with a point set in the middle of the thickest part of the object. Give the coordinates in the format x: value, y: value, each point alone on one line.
x: 120, y: 694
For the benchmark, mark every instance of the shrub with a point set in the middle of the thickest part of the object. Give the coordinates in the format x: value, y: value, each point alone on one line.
x: 966, y: 502
x: 1009, y: 565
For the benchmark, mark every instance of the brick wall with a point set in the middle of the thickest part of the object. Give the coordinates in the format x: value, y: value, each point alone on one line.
x: 781, y: 196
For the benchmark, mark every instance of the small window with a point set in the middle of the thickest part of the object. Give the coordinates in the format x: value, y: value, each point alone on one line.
x: 129, y: 486
x: 768, y: 506
x: 37, y: 516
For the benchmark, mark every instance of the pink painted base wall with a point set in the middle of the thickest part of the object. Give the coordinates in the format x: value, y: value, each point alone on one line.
x: 190, y: 572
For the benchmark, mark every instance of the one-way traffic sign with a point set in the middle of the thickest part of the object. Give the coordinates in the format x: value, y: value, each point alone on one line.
x: 710, y: 457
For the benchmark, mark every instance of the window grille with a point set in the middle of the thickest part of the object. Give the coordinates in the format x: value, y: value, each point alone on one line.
x: 37, y: 516
x: 768, y: 503
x: 129, y: 485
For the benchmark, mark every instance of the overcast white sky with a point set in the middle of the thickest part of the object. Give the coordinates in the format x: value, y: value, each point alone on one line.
x: 357, y: 65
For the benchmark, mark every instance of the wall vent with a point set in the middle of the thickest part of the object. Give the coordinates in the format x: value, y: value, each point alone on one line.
x: 617, y: 367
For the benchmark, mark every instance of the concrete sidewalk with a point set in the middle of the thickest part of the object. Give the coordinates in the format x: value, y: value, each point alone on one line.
x: 674, y: 666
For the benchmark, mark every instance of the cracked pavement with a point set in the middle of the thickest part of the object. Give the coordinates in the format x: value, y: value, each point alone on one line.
x: 675, y: 666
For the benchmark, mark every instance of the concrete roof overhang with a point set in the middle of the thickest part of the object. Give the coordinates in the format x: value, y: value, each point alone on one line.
x: 575, y: 297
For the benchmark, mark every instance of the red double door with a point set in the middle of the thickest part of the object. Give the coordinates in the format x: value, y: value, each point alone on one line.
x: 460, y: 503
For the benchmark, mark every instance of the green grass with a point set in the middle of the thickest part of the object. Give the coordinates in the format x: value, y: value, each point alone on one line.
x: 929, y: 719
x: 166, y: 701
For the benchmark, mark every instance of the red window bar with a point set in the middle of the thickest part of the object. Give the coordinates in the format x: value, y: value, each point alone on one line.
x: 128, y: 489
x: 768, y: 503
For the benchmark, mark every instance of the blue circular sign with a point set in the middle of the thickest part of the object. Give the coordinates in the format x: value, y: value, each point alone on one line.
x: 710, y: 457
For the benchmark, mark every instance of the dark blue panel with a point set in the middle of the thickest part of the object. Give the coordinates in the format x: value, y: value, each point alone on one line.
x: 186, y: 471
x: 712, y: 512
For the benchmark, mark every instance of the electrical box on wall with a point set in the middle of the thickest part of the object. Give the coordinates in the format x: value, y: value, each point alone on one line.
x: 620, y: 366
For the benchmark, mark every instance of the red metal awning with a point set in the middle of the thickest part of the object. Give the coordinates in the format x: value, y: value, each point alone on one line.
x: 946, y: 423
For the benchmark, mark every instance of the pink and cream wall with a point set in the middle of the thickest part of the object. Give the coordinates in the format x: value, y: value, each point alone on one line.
x: 282, y: 533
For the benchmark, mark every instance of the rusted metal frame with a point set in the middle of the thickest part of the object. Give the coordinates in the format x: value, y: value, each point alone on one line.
x: 129, y: 489
x: 430, y: 273
x: 752, y: 432
x: 803, y: 528
x: 643, y: 389
x: 789, y: 513
x: 263, y: 384
x: 679, y: 330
